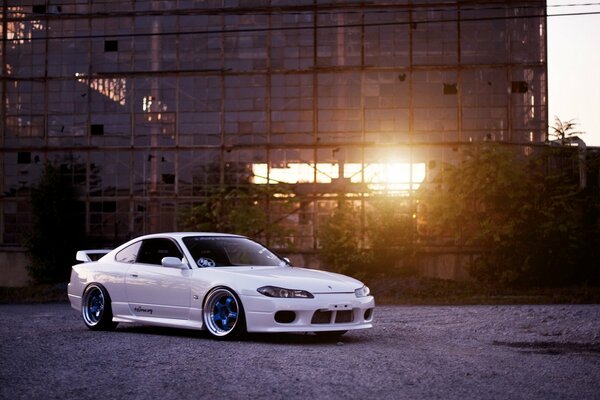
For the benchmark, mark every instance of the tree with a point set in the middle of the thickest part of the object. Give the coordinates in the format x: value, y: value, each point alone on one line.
x: 58, y: 228
x: 527, y: 221
x: 563, y: 130
x: 392, y: 235
x: 479, y: 201
x: 339, y: 242
x: 241, y: 210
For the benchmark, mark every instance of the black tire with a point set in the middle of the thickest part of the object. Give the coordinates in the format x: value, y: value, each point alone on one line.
x: 223, y: 314
x: 96, y: 309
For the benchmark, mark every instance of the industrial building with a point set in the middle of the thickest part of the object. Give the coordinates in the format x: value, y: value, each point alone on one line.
x: 152, y: 105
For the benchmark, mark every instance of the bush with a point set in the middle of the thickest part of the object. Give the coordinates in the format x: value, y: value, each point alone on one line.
x: 241, y: 210
x: 339, y: 242
x: 392, y: 236
x: 530, y: 219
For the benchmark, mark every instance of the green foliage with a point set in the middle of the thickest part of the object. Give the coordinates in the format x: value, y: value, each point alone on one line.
x: 241, y: 210
x: 527, y: 220
x: 339, y: 240
x: 480, y: 201
x: 58, y: 227
x: 392, y: 235
x: 390, y: 239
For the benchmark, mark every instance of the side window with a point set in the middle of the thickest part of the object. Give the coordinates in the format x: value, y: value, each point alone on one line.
x: 154, y: 250
x: 129, y: 253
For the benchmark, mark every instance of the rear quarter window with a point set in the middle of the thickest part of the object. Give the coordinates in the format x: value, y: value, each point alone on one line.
x: 129, y: 253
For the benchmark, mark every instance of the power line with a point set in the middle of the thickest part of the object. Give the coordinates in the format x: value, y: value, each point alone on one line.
x: 305, y: 27
x: 333, y: 8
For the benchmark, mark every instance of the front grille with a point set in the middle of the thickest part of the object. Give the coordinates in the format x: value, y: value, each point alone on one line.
x: 324, y: 317
x: 344, y: 317
x: 321, y: 317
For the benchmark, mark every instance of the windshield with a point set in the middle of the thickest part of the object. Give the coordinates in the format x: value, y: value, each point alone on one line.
x: 229, y: 252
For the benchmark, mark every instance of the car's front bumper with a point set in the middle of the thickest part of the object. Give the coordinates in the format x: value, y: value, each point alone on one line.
x: 325, y: 312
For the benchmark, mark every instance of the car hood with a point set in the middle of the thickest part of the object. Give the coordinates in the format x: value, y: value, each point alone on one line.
x: 291, y: 278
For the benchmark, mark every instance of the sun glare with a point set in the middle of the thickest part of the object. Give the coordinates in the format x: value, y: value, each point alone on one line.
x: 393, y: 177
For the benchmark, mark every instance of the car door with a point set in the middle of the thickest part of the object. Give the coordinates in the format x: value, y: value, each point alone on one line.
x: 157, y: 291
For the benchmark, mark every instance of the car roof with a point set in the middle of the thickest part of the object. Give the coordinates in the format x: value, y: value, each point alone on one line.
x: 173, y: 235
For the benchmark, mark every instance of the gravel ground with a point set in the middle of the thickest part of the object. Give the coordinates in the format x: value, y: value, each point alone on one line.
x: 413, y: 352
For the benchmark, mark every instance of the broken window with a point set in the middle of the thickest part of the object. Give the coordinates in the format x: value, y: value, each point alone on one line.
x: 111, y: 45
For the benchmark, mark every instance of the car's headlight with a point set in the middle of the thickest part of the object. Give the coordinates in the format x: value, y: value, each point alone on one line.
x: 274, y: 291
x: 362, y: 292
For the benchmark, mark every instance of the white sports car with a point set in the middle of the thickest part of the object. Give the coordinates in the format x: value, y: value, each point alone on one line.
x: 226, y: 284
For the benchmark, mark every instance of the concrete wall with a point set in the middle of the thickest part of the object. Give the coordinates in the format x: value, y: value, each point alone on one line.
x: 447, y: 263
x: 13, y: 267
x: 431, y: 262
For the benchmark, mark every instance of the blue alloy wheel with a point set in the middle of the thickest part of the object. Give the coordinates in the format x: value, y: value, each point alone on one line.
x: 223, y: 313
x: 93, y: 305
x: 95, y: 308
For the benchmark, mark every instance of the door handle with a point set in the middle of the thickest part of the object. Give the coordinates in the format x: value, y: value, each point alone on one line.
x: 134, y: 275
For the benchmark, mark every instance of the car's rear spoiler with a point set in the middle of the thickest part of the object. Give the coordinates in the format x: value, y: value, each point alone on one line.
x: 90, y: 255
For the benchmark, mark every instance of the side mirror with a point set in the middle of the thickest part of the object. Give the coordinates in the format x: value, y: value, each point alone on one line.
x: 173, y: 262
x: 287, y: 260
